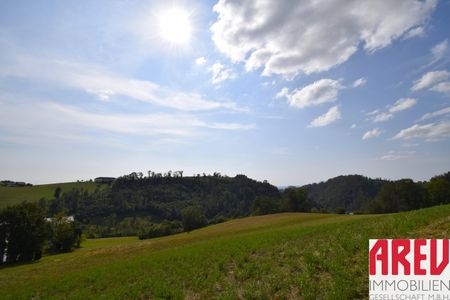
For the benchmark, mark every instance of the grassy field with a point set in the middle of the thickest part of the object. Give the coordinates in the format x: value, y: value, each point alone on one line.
x: 14, y: 195
x: 282, y: 256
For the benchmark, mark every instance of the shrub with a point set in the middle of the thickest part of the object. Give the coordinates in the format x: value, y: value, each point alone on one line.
x: 340, y: 210
x: 193, y: 218
x: 64, y: 236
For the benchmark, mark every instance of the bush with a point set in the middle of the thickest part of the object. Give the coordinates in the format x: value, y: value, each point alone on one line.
x: 266, y: 205
x: 157, y: 230
x: 193, y: 218
x: 64, y: 236
x: 340, y: 210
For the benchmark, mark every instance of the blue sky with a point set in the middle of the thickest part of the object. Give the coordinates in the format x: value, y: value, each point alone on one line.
x: 288, y: 91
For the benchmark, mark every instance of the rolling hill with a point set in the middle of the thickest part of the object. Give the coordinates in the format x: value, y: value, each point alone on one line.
x: 280, y: 256
x: 15, y: 195
x: 351, y: 192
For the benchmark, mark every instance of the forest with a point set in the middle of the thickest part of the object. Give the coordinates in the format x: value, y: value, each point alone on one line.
x: 134, y: 203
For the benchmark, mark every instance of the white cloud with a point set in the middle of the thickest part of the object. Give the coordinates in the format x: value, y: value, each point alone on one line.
x: 200, y: 61
x: 382, y: 117
x: 371, y: 134
x: 359, y: 82
x: 331, y: 116
x: 221, y: 73
x: 429, y: 79
x: 443, y: 87
x: 104, y: 95
x: 418, y: 31
x: 268, y: 83
x: 105, y: 85
x: 399, y: 105
x: 438, y: 113
x: 410, y: 145
x: 36, y: 117
x: 429, y: 132
x: 231, y: 126
x: 292, y: 36
x: 396, y: 155
x: 284, y: 92
x: 353, y: 126
x: 373, y: 112
x: 402, y: 104
x: 440, y: 50
x: 316, y: 93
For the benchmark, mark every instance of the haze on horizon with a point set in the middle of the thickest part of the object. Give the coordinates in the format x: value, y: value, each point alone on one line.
x: 271, y: 91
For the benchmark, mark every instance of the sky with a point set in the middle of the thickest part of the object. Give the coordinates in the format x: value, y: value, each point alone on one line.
x: 292, y: 92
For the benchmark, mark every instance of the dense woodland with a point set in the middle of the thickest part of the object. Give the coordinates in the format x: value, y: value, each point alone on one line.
x: 351, y: 192
x: 133, y: 202
x: 356, y: 193
x: 160, y: 205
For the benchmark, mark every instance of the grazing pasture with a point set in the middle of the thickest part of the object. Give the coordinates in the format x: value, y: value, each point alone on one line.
x: 15, y: 195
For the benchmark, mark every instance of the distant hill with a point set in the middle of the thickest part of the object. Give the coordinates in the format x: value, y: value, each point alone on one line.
x: 10, y: 195
x: 351, y: 192
x: 132, y: 202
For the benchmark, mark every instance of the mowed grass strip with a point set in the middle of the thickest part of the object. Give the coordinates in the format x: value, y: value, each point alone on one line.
x: 16, y: 195
x: 283, y: 256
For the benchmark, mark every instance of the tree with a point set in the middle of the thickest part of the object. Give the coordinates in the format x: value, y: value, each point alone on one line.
x: 265, y: 205
x: 193, y: 218
x: 401, y: 195
x: 411, y: 195
x: 57, y: 192
x: 23, y: 231
x: 296, y: 199
x: 64, y: 235
x: 439, y: 189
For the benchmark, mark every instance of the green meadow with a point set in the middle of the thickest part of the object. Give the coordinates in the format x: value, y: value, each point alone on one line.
x: 280, y: 256
x: 15, y: 195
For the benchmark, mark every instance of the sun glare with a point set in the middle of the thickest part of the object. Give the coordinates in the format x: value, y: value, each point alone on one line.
x: 175, y: 26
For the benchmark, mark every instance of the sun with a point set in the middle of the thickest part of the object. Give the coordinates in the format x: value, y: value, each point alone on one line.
x: 175, y: 26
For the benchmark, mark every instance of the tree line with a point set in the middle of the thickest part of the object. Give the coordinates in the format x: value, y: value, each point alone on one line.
x: 359, y: 194
x: 405, y: 194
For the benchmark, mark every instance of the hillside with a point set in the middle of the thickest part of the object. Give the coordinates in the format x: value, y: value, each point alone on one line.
x: 351, y: 192
x: 14, y: 195
x: 131, y: 203
x: 289, y: 255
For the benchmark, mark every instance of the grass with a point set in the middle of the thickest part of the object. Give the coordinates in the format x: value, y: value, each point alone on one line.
x: 15, y: 195
x: 282, y: 256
